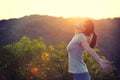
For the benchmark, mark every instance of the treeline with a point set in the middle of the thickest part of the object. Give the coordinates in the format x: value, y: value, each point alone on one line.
x: 56, y: 29
x: 33, y: 59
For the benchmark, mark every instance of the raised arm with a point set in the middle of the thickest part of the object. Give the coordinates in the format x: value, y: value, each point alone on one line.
x: 106, y: 65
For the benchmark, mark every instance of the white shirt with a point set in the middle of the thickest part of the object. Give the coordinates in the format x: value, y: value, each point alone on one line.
x: 75, y: 55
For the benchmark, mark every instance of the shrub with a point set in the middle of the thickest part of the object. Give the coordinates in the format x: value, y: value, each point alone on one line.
x: 34, y: 60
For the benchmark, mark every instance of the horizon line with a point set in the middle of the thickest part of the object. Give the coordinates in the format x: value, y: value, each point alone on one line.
x: 59, y: 16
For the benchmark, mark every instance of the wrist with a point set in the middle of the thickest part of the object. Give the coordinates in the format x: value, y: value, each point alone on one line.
x: 100, y: 62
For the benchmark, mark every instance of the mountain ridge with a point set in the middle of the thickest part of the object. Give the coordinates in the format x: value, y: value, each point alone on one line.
x: 55, y: 29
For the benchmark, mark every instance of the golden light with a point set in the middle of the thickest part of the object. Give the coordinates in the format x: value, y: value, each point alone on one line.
x: 46, y: 55
x: 65, y: 8
x: 34, y: 70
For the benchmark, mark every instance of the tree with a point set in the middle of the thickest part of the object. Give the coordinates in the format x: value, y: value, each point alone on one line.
x: 31, y: 59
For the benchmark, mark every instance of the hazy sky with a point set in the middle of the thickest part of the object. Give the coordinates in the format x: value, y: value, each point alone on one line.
x: 66, y: 8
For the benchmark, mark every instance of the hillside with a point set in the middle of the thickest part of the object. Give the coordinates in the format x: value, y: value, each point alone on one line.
x: 55, y: 29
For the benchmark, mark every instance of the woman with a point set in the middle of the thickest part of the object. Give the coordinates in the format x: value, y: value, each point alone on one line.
x: 84, y: 39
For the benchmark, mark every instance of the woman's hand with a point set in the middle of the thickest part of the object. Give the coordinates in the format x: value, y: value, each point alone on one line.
x: 106, y: 66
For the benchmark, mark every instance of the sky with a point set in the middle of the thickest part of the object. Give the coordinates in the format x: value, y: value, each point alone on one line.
x: 96, y: 9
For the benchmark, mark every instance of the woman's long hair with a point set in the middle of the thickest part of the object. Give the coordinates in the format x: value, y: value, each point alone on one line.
x: 89, y: 25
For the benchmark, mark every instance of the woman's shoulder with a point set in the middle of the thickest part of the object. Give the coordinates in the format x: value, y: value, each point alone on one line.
x: 82, y: 35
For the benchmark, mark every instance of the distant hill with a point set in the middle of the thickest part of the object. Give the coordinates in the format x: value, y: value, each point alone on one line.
x: 50, y: 28
x: 55, y: 29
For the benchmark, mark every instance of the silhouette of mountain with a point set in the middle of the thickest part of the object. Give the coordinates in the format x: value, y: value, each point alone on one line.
x: 34, y: 26
x: 55, y: 29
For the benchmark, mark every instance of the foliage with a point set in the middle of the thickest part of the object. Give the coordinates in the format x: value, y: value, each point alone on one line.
x: 34, y: 60
x: 95, y: 70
